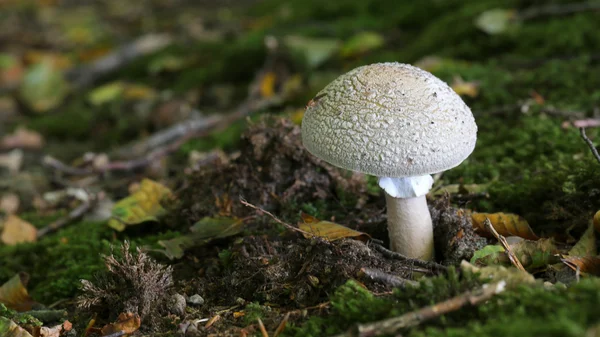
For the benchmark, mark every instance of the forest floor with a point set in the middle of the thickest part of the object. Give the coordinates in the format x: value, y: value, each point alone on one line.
x: 153, y: 179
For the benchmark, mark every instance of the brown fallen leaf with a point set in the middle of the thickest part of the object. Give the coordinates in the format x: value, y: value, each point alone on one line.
x: 16, y: 230
x: 22, y: 138
x: 14, y: 294
x: 505, y: 224
x: 328, y: 230
x: 585, y: 264
x: 127, y: 322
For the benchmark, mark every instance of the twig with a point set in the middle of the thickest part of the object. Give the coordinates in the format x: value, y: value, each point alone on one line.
x: 116, y: 334
x: 431, y: 265
x: 170, y: 134
x: 590, y: 144
x: 557, y: 9
x: 75, y: 214
x: 393, y: 280
x: 392, y: 325
x: 86, y: 75
x: 282, y: 325
x: 287, y: 225
x: 511, y: 255
x: 318, y: 306
x: 261, y: 326
x: 128, y: 165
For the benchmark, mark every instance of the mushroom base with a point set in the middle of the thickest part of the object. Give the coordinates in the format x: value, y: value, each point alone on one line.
x: 410, y: 227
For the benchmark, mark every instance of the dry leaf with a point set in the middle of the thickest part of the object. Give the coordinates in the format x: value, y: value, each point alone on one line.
x: 22, y: 138
x: 14, y: 295
x: 17, y: 230
x: 532, y: 254
x: 8, y: 328
x: 586, y: 246
x: 328, y: 230
x: 141, y: 206
x: 505, y: 224
x: 127, y: 322
x: 585, y: 264
x: 54, y: 331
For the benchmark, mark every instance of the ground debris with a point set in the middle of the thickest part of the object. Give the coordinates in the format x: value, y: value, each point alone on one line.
x: 455, y: 238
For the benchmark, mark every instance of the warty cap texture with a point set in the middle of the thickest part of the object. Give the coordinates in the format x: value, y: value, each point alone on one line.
x: 389, y: 120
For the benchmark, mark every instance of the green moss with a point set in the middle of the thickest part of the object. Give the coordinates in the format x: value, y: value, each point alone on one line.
x: 524, y: 311
x: 254, y: 311
x: 21, y: 319
x: 58, y: 261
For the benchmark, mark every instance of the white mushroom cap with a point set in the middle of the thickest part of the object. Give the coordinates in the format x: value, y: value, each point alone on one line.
x: 389, y: 120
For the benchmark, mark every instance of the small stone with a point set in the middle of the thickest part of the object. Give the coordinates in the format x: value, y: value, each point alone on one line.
x: 177, y: 304
x: 196, y: 300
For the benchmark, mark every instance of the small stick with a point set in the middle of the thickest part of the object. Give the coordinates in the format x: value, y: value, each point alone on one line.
x: 391, y: 325
x: 318, y: 306
x: 433, y: 266
x: 287, y: 225
x: 75, y: 214
x: 511, y: 255
x: 393, y: 280
x: 281, y: 325
x: 116, y: 334
x: 590, y: 144
x: 261, y: 326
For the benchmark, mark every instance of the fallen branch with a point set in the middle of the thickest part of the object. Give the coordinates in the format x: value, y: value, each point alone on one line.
x: 168, y: 135
x: 75, y: 214
x: 196, y: 131
x: 590, y: 144
x: 383, y: 277
x: 87, y: 75
x: 391, y: 326
x: 435, y: 267
x: 557, y: 9
x: 511, y: 255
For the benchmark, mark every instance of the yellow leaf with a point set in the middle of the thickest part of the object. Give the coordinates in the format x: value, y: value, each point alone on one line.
x: 267, y: 85
x: 141, y: 206
x: 11, y: 329
x: 139, y: 92
x: 463, y: 88
x: 17, y: 230
x: 328, y: 230
x: 597, y: 221
x: 14, y: 295
x: 505, y: 224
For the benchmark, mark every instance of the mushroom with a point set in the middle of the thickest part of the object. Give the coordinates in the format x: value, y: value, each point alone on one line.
x: 401, y: 124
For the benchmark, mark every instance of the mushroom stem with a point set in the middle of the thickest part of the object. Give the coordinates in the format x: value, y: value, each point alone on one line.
x: 409, y: 226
